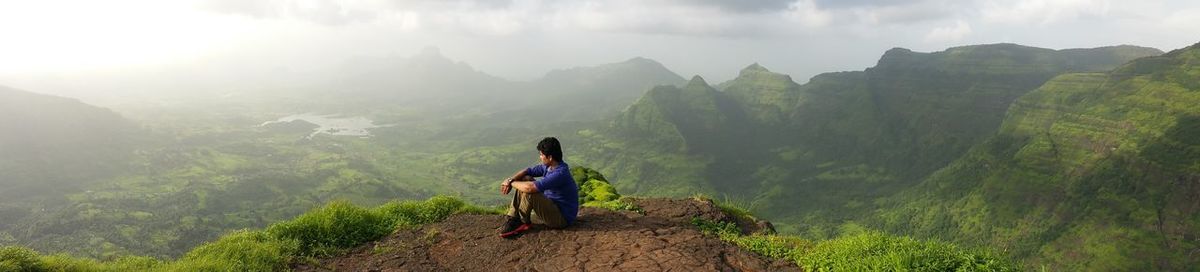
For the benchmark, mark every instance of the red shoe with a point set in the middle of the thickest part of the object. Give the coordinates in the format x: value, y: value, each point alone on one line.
x: 513, y: 227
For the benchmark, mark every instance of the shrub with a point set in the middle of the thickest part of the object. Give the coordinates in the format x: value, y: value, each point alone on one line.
x: 867, y: 251
x: 774, y: 246
x: 725, y: 230
x: 600, y: 191
x: 241, y: 250
x: 337, y: 225
x: 408, y: 213
x: 19, y: 259
x: 738, y: 209
x: 595, y: 191
x: 876, y: 251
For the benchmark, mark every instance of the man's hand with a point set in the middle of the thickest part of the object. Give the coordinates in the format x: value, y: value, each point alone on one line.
x: 506, y: 186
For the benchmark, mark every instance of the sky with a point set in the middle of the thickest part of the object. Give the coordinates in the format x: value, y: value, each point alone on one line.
x: 83, y: 45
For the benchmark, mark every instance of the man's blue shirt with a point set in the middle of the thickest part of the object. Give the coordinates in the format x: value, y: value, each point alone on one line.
x: 559, y: 186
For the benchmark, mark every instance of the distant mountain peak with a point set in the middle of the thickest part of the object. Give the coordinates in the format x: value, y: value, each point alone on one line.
x: 756, y: 73
x: 633, y: 66
x: 697, y: 81
x: 645, y: 65
x: 897, y: 50
x: 642, y: 60
x: 755, y: 67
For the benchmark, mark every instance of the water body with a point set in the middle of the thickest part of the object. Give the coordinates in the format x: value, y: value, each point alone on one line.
x: 332, y: 124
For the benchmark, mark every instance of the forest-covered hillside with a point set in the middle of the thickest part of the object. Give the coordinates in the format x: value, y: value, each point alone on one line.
x: 818, y: 157
x: 1091, y: 171
x: 52, y: 143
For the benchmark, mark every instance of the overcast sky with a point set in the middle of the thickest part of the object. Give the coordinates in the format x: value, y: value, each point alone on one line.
x: 58, y: 40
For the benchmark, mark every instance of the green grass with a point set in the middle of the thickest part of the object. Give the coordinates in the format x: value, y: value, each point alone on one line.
x: 322, y: 232
x: 875, y: 251
x: 595, y: 191
x: 340, y: 225
x: 866, y: 251
x: 738, y: 208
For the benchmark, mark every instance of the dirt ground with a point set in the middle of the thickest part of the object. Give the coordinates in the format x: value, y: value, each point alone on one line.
x: 601, y: 240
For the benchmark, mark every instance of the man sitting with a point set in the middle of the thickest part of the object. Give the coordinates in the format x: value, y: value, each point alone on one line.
x: 554, y: 199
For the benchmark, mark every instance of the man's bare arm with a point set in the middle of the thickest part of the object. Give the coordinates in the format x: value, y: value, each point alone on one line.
x: 525, y: 187
x: 521, y: 175
x: 508, y: 183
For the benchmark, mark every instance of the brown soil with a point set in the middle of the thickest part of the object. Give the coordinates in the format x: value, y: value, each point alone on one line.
x: 601, y: 240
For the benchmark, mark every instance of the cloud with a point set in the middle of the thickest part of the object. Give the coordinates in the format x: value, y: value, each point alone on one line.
x: 670, y: 17
x: 948, y: 34
x: 1184, y: 20
x: 807, y: 14
x: 481, y: 4
x: 327, y: 12
x: 767, y: 6
x: 840, y: 4
x: 701, y: 18
x: 1042, y: 12
x: 910, y: 13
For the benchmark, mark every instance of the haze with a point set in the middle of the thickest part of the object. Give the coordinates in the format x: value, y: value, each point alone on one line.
x: 78, y: 48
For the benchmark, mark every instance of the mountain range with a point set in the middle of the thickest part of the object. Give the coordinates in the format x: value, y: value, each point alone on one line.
x: 1075, y: 159
x: 845, y: 149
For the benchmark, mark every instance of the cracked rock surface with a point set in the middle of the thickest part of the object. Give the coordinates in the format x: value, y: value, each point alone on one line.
x: 601, y: 240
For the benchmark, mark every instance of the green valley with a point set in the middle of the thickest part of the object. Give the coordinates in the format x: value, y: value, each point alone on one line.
x: 1044, y: 156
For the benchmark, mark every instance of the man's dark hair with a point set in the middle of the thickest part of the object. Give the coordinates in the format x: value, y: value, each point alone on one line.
x: 551, y: 147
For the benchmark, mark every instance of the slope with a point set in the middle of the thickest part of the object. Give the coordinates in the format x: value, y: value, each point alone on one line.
x: 1091, y: 171
x: 839, y: 141
x: 54, y: 143
x: 590, y: 93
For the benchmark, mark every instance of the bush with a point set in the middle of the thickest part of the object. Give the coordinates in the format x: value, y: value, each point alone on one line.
x: 737, y: 209
x: 14, y: 258
x: 337, y: 225
x: 408, y: 213
x: 19, y: 259
x: 876, y: 251
x: 241, y: 250
x: 130, y: 263
x: 725, y: 230
x: 867, y: 251
x: 595, y: 191
x: 774, y: 246
x: 600, y: 191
